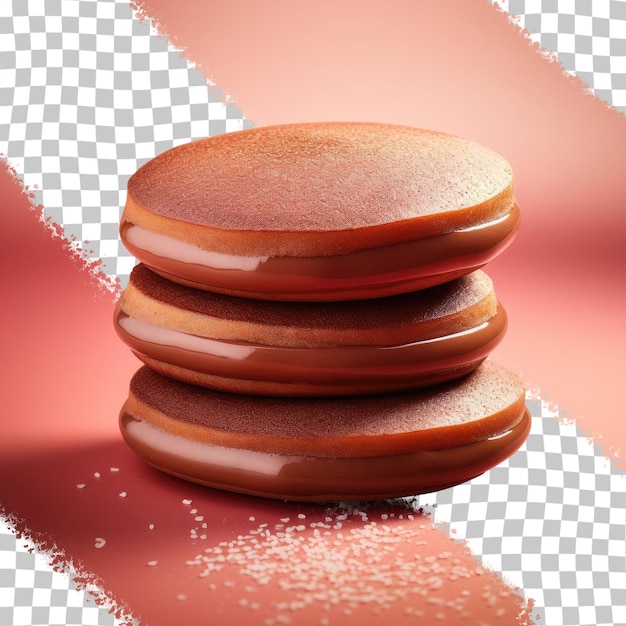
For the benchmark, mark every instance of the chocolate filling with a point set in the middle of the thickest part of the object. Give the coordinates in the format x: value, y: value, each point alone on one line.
x: 388, y: 269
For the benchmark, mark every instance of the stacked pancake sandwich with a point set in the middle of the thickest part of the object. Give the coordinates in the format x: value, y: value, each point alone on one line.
x: 311, y: 313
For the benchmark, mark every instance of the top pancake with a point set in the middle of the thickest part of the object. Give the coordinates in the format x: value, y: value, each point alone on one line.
x: 321, y: 177
x: 324, y: 178
x: 320, y: 212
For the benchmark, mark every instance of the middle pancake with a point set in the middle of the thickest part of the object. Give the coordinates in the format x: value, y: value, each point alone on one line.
x: 310, y: 349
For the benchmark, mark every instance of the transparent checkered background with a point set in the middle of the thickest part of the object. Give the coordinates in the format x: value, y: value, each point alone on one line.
x: 552, y: 519
x: 588, y: 38
x: 32, y: 593
x: 89, y: 92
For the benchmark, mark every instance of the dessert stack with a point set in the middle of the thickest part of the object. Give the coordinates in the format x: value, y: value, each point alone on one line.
x: 311, y: 313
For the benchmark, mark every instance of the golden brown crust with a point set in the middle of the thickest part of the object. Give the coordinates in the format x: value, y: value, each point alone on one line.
x: 318, y: 189
x: 485, y: 403
x: 439, y: 311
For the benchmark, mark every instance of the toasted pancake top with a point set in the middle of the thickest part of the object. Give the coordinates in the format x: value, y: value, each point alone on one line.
x: 438, y: 311
x: 322, y: 177
x: 483, y: 404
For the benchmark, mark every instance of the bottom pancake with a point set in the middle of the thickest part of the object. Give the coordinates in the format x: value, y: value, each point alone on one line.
x: 318, y: 479
x: 331, y: 449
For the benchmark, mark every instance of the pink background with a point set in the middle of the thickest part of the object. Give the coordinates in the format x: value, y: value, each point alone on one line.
x: 456, y: 66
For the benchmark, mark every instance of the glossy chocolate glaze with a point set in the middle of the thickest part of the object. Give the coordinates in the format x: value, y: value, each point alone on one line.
x: 318, y: 479
x: 395, y: 268
x: 309, y: 371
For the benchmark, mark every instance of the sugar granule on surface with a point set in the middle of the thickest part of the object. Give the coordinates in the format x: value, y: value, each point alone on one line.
x: 356, y: 560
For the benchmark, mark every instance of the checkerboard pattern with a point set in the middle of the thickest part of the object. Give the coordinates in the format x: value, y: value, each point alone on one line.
x: 552, y: 520
x: 88, y: 92
x: 587, y: 38
x: 32, y: 593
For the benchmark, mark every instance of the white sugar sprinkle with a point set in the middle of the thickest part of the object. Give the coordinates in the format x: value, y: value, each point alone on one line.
x: 369, y: 564
x: 187, y: 502
x: 99, y: 542
x: 122, y: 494
x: 81, y: 485
x: 151, y: 563
x: 114, y: 469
